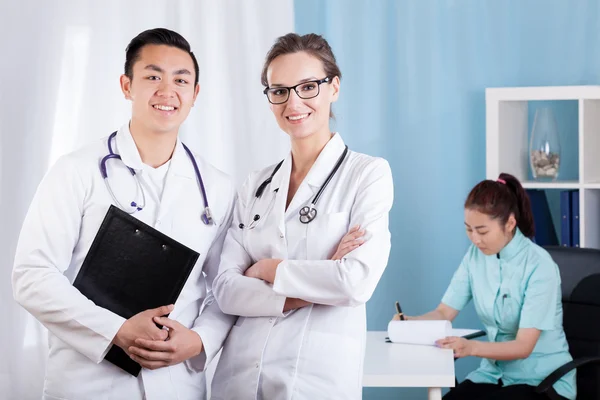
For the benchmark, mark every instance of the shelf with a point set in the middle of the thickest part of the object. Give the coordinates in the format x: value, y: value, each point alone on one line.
x: 553, y: 185
x: 508, y: 125
x: 560, y: 185
x: 537, y: 93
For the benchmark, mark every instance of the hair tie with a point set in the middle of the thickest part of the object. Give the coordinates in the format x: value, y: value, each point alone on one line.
x: 502, y: 181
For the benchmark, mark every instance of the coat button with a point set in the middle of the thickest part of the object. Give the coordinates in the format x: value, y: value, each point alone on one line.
x: 281, y: 236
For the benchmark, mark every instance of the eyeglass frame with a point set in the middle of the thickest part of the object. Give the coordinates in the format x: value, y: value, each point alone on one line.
x: 289, y: 89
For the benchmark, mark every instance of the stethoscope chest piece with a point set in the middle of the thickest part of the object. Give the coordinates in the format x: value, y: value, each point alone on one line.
x: 308, y: 213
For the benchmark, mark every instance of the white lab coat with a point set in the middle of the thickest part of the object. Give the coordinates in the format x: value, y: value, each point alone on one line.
x: 62, y: 221
x: 315, y: 352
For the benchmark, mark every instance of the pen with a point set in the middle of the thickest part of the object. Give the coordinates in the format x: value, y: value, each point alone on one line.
x: 399, y: 310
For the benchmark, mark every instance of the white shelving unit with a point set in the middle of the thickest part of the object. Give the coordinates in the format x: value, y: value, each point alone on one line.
x: 507, y: 147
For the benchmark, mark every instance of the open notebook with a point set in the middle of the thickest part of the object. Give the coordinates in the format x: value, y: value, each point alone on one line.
x: 426, y: 332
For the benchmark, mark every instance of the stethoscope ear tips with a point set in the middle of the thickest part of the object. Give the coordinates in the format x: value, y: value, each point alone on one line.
x: 256, y: 218
x: 138, y: 208
x: 207, y: 216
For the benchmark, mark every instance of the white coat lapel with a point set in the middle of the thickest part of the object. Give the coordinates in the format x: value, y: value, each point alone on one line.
x: 127, y: 149
x: 181, y: 175
x: 317, y: 174
x: 278, y: 188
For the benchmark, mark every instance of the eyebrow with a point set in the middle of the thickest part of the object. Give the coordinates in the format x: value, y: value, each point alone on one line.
x: 154, y: 67
x: 475, y: 227
x: 312, y: 78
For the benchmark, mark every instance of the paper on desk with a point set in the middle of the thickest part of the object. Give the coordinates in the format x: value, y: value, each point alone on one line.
x: 423, y: 332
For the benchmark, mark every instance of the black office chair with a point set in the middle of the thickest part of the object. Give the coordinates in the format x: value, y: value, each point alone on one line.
x: 580, y: 275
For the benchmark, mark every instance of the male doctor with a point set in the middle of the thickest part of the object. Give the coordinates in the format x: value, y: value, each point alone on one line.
x: 161, y: 80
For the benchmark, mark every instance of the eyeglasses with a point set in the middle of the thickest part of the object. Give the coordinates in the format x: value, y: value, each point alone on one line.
x: 304, y: 90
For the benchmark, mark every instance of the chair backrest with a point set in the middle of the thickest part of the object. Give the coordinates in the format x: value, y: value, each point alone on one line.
x: 580, y: 276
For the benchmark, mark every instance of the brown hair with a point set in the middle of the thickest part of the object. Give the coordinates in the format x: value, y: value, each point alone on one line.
x: 498, y: 199
x: 313, y: 44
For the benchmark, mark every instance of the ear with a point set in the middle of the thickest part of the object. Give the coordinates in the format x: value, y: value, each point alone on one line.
x: 126, y: 86
x: 196, y: 91
x: 335, y: 88
x: 511, y: 223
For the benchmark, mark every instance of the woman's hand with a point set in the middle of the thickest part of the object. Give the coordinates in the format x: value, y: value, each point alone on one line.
x: 264, y: 269
x: 352, y: 240
x: 267, y: 268
x: 293, y: 304
x: 462, y: 347
x: 396, y: 317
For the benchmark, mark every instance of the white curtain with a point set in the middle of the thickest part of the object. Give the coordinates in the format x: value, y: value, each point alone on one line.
x: 60, y: 63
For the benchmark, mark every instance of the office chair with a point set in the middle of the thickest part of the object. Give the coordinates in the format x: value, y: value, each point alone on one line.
x: 580, y: 276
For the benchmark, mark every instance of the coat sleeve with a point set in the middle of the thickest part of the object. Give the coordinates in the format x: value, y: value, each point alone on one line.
x: 236, y: 293
x: 352, y: 280
x: 212, y: 324
x: 48, y: 236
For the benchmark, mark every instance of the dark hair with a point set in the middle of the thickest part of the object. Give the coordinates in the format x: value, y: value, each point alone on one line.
x: 157, y: 36
x: 498, y: 199
x: 313, y: 44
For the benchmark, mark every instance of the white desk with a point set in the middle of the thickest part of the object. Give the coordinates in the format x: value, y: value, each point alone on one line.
x: 402, y: 365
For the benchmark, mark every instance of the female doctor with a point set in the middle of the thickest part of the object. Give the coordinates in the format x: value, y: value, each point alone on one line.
x: 302, y: 326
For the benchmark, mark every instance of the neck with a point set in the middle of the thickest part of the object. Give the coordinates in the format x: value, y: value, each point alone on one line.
x: 510, y: 237
x: 306, y: 150
x: 155, y: 148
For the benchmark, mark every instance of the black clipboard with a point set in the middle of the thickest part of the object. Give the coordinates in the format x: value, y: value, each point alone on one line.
x: 473, y: 335
x: 132, y: 267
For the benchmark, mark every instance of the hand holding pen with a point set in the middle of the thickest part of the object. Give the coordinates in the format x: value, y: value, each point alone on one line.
x: 399, y: 316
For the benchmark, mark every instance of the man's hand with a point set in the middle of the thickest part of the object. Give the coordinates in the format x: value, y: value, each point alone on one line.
x: 142, y: 325
x: 182, y: 344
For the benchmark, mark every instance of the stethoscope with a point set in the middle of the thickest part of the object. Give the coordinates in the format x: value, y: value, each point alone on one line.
x: 206, y: 215
x: 307, y: 213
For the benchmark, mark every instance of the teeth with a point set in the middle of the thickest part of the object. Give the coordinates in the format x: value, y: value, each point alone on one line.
x: 297, y: 117
x: 164, y: 108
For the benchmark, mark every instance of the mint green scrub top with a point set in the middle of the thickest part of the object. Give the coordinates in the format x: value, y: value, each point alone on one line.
x: 519, y: 288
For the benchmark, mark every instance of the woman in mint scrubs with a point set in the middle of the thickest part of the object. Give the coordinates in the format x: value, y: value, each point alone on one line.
x: 515, y: 286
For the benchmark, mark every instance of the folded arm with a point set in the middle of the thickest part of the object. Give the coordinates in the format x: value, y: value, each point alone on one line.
x: 351, y: 280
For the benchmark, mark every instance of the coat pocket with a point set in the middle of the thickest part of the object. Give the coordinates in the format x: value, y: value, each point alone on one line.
x: 324, y: 234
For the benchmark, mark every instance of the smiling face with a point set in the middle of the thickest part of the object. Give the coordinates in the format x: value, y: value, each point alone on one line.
x: 302, y: 118
x: 162, y: 89
x: 488, y: 234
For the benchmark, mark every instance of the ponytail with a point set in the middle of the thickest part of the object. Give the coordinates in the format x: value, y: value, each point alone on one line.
x: 503, y: 197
